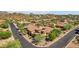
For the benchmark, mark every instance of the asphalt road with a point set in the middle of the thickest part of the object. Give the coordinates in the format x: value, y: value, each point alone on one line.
x: 23, y: 41
x: 61, y: 43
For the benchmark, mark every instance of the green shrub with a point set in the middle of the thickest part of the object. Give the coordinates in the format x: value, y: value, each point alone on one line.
x: 67, y: 26
x: 76, y: 22
x: 52, y: 36
x: 54, y: 33
x: 57, y: 31
x: 5, y: 34
x: 12, y: 44
x: 39, y: 37
x: 4, y: 25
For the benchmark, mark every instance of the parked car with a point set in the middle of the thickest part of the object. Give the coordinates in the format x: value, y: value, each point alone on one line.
x: 17, y: 29
x: 76, y: 31
x: 20, y: 34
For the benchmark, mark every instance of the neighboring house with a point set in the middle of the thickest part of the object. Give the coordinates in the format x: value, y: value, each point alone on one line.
x: 60, y: 24
x: 68, y: 20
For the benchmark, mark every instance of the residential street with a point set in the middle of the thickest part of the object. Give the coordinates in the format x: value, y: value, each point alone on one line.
x: 23, y: 41
x: 61, y: 43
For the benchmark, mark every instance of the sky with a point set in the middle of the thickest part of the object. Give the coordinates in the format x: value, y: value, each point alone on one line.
x: 50, y: 12
x: 64, y: 12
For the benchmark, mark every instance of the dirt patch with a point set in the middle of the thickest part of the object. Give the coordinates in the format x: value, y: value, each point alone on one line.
x: 73, y: 44
x: 5, y: 41
x: 2, y: 21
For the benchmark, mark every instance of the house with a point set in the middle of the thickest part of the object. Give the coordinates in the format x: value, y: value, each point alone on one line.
x: 46, y: 30
x: 33, y: 29
x: 68, y: 20
x: 60, y: 24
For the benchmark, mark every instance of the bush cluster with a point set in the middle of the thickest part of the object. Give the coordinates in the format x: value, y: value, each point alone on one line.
x: 5, y: 34
x: 54, y: 33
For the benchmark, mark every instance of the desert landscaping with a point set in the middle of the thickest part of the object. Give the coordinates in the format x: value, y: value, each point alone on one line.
x: 41, y: 30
